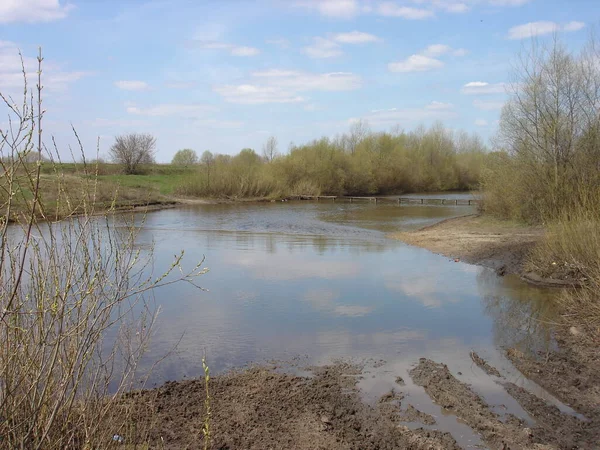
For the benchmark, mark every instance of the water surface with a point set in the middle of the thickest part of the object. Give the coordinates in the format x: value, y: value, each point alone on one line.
x: 324, y: 282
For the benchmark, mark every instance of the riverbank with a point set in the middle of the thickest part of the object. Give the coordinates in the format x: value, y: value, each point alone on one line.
x: 481, y: 240
x: 271, y: 406
x: 572, y: 371
x: 267, y: 407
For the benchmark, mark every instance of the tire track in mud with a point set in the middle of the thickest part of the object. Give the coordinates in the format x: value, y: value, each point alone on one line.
x: 553, y: 429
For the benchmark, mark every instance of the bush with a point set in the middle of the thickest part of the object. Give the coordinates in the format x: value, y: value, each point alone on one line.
x: 363, y: 163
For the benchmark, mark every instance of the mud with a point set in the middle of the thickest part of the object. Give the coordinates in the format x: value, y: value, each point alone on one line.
x: 552, y: 429
x: 262, y: 409
x: 483, y: 365
x: 457, y: 397
x: 412, y: 414
x: 571, y: 373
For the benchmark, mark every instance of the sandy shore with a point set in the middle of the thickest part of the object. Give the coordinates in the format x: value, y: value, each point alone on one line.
x: 477, y: 240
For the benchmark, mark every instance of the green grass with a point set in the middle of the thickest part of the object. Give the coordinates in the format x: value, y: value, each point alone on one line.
x: 165, y: 184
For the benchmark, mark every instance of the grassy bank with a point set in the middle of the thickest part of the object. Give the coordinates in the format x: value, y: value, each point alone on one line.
x: 62, y: 195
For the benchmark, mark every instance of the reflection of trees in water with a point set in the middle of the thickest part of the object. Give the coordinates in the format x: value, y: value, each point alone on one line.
x: 523, y: 314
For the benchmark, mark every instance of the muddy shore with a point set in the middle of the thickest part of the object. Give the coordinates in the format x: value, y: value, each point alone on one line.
x: 264, y: 408
x: 269, y: 408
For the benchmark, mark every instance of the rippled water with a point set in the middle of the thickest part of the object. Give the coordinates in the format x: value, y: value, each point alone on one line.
x: 322, y: 281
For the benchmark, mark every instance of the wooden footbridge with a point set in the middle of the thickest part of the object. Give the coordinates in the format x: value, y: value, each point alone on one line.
x: 396, y: 200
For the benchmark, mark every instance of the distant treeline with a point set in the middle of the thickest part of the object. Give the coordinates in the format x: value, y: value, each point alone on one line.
x: 358, y: 163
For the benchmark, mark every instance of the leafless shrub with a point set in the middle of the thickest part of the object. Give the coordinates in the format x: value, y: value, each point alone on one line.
x: 75, y: 314
x: 133, y: 150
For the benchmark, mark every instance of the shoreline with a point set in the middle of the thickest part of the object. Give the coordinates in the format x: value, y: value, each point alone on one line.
x: 480, y: 240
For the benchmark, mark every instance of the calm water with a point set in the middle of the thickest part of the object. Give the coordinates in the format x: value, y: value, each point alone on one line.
x: 322, y: 281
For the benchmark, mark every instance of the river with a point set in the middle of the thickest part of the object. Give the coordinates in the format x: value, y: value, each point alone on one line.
x: 321, y: 281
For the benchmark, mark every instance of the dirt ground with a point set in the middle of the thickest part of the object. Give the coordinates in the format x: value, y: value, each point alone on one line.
x: 501, y: 246
x: 263, y: 408
x: 260, y: 408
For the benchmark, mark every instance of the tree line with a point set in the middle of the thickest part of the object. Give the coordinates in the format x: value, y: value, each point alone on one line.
x: 360, y: 162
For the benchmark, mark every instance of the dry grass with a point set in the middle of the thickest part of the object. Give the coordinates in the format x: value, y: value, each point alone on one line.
x: 82, y: 192
x: 571, y: 250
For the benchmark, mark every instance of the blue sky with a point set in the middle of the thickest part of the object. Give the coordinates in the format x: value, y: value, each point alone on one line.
x: 224, y: 75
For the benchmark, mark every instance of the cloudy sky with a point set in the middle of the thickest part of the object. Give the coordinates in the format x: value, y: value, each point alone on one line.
x: 226, y: 74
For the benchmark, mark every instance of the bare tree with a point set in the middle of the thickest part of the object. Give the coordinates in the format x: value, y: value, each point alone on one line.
x: 358, y: 131
x: 270, y: 149
x: 132, y: 150
x: 552, y: 119
x: 207, y: 160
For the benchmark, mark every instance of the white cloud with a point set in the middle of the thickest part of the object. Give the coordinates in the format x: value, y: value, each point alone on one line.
x: 457, y: 8
x: 234, y: 50
x: 312, y: 107
x: 323, y: 48
x: 532, y: 29
x: 439, y: 106
x: 449, y: 6
x: 181, y: 84
x: 481, y: 123
x: 120, y: 123
x: 282, y: 268
x: 304, y: 81
x: 59, y: 81
x: 222, y: 124
x: 573, y: 26
x: 509, y: 2
x: 483, y: 88
x: 326, y: 300
x: 416, y: 63
x: 355, y: 37
x: 486, y: 105
x: 394, y: 116
x: 132, y: 85
x: 460, y: 52
x: 11, y: 70
x: 31, y: 11
x: 285, y: 86
x: 330, y: 47
x: 435, y: 50
x: 244, y: 51
x: 338, y: 9
x: 390, y: 9
x: 281, y: 43
x: 169, y: 109
x: 249, y: 94
x: 541, y: 28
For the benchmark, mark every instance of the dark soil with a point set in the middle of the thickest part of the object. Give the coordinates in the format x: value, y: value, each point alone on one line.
x: 262, y: 409
x: 483, y: 365
x: 412, y: 414
x: 571, y: 373
x: 553, y: 429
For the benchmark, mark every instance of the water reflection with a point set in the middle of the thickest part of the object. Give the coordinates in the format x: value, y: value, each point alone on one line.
x: 347, y: 292
x: 322, y: 281
x: 523, y: 314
